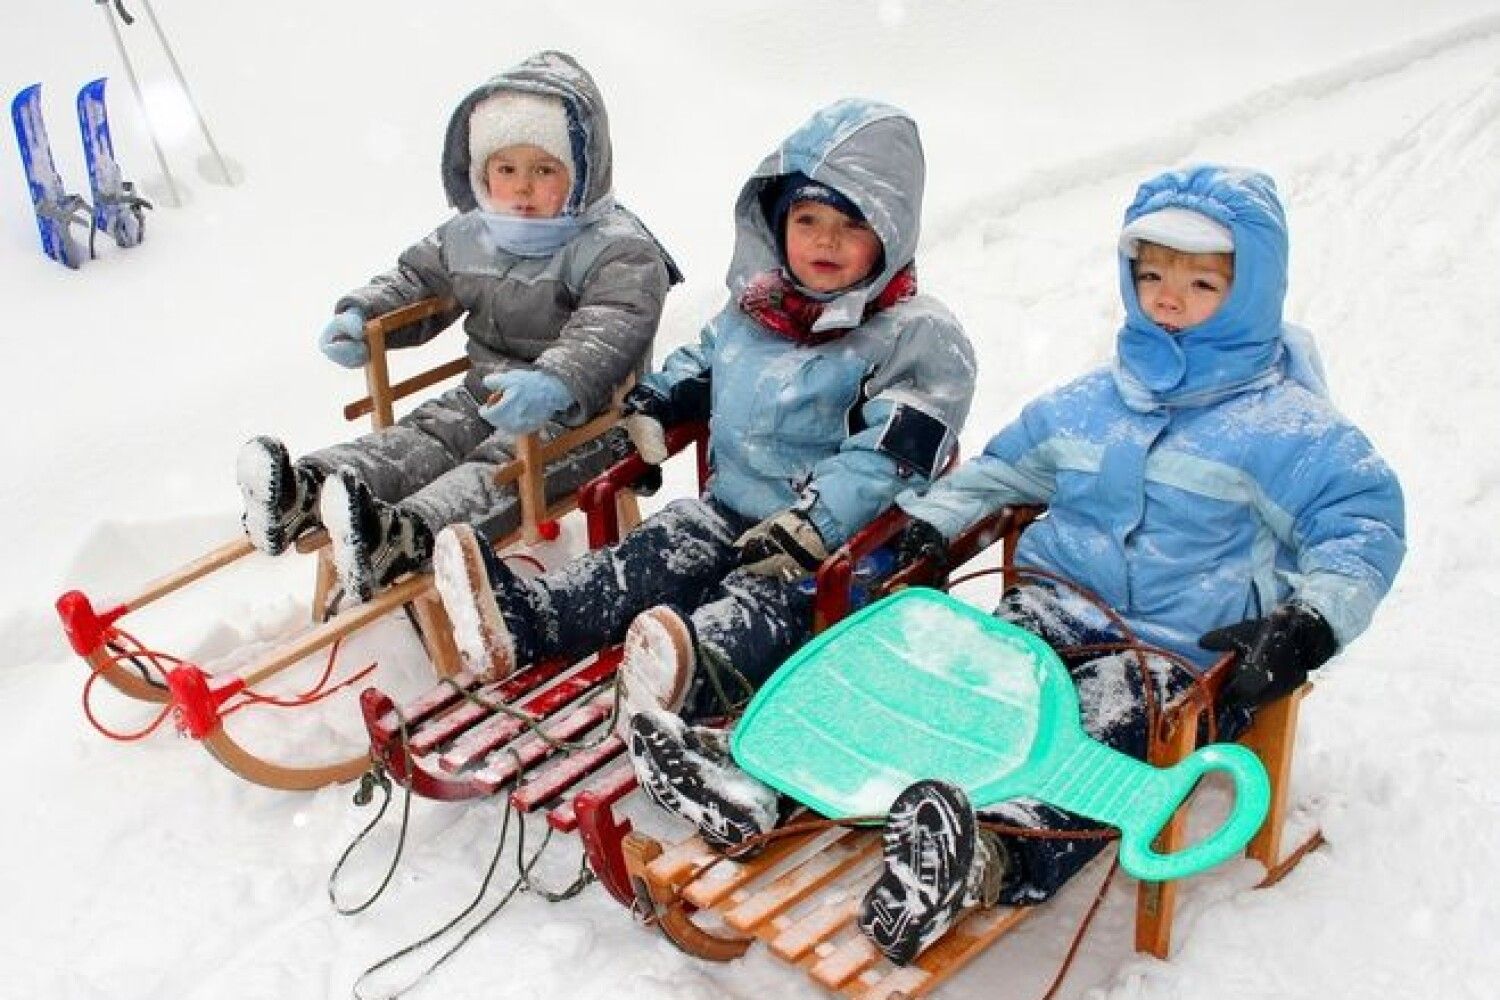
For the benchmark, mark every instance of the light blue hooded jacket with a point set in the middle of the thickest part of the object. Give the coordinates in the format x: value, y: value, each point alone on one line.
x: 1199, y: 481
x: 839, y: 427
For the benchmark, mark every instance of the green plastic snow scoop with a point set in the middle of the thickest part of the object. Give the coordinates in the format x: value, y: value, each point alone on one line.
x: 920, y: 685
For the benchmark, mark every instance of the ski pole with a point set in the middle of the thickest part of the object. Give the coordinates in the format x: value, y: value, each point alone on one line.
x: 182, y: 82
x: 140, y: 100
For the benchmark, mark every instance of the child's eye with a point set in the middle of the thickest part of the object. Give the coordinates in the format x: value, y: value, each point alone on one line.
x: 1204, y: 285
x: 1145, y: 276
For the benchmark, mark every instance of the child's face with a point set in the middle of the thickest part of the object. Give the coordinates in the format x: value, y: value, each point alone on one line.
x: 826, y: 249
x: 1178, y: 290
x: 527, y: 181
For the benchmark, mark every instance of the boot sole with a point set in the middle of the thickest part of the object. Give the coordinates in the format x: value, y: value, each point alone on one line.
x: 351, y: 556
x: 484, y: 643
x: 660, y: 762
x: 928, y: 841
x: 649, y: 629
x: 256, y: 468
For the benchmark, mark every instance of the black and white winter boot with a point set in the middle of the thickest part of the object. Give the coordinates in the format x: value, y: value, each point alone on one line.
x: 938, y: 864
x: 373, y: 542
x: 280, y: 499
x: 687, y: 770
x: 483, y: 601
x: 656, y: 666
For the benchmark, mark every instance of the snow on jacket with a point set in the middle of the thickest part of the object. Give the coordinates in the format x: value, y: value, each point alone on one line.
x: 1196, y: 483
x: 843, y: 426
x: 588, y: 313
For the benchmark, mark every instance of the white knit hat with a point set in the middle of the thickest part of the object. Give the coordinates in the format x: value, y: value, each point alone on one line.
x: 1178, y: 228
x: 515, y: 118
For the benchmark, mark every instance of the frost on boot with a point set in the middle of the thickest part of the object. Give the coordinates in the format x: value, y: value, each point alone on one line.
x: 687, y: 771
x: 373, y: 542
x: 937, y: 866
x: 471, y: 582
x: 656, y: 666
x: 280, y: 499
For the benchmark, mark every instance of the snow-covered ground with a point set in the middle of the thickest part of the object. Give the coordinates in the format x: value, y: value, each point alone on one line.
x: 146, y: 870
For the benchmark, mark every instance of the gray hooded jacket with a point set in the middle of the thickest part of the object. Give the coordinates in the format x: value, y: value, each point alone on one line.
x: 588, y: 313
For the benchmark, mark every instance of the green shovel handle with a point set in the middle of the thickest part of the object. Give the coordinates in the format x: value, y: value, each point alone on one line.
x: 1252, y: 797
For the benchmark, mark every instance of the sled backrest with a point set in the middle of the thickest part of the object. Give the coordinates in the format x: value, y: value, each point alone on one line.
x: 527, y: 472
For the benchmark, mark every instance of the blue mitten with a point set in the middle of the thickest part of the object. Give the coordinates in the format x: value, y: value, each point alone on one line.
x: 528, y: 399
x: 343, y: 339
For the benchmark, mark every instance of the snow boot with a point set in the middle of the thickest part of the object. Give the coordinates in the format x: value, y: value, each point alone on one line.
x: 656, y: 666
x: 483, y: 600
x: 280, y: 499
x: 373, y: 542
x: 687, y: 770
x: 938, y: 865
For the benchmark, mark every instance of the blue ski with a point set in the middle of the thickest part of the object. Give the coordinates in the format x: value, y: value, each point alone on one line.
x: 56, y: 210
x: 118, y: 210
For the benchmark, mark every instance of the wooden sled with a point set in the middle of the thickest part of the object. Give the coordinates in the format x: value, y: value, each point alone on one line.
x: 462, y: 740
x: 198, y: 699
x: 800, y: 895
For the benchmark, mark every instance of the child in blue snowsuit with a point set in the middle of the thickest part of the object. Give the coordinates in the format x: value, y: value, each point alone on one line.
x: 1202, y: 486
x: 829, y: 385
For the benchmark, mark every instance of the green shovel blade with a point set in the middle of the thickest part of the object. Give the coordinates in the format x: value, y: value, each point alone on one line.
x: 920, y: 685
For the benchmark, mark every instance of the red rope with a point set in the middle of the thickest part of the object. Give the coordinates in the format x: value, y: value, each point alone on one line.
x: 132, y: 650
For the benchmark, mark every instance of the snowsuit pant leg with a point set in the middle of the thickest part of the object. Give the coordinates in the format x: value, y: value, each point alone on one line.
x: 746, y: 627
x: 439, y: 463
x: 397, y: 461
x: 1113, y: 708
x: 673, y: 557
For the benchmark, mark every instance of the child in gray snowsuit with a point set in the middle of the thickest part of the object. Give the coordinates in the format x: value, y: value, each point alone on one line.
x: 561, y: 289
x: 829, y: 384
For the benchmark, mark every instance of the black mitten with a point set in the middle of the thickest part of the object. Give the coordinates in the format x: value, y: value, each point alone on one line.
x: 922, y: 541
x: 1276, y: 653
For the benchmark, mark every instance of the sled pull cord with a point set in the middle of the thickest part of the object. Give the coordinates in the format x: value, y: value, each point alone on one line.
x: 125, y: 647
x: 375, y: 777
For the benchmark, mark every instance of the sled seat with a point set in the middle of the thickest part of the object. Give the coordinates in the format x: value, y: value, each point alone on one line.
x: 199, y: 698
x: 800, y: 895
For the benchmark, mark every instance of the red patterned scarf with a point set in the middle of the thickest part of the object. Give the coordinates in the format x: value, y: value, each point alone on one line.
x: 775, y: 303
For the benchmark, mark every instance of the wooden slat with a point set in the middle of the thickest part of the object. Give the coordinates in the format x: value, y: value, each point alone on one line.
x: 844, y: 963
x: 798, y: 939
x: 796, y: 885
x: 610, y: 786
x: 547, y: 784
x: 727, y: 876
x: 531, y: 749
x: 473, y: 709
x: 502, y: 727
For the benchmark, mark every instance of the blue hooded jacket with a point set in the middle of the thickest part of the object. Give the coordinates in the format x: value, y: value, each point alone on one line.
x: 1199, y: 481
x: 839, y: 427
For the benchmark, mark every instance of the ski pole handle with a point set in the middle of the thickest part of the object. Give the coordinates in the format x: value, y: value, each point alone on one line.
x: 119, y: 6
